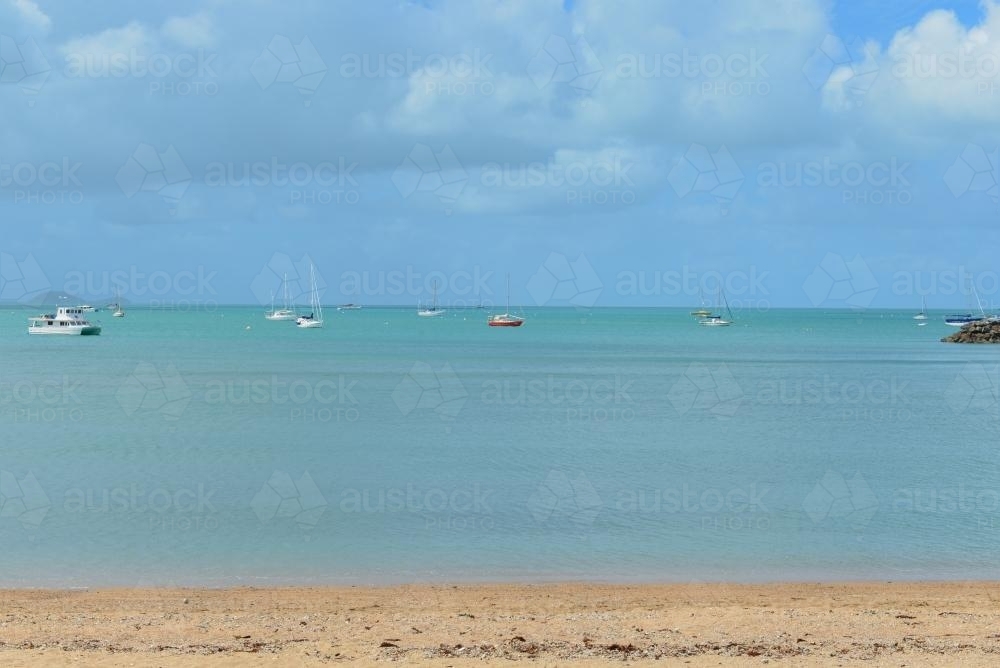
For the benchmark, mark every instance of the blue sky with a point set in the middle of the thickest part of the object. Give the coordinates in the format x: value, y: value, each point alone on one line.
x: 582, y: 148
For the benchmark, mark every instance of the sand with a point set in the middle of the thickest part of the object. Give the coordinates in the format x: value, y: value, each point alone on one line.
x: 870, y: 624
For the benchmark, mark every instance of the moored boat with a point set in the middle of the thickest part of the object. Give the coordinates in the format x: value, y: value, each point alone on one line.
x: 67, y: 320
x: 506, y: 319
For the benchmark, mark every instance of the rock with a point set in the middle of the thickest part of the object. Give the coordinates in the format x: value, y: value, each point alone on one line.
x: 977, y: 332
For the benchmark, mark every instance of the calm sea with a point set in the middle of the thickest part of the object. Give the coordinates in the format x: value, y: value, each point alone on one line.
x: 214, y: 447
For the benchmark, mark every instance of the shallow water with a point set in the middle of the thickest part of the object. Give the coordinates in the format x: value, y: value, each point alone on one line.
x: 614, y: 444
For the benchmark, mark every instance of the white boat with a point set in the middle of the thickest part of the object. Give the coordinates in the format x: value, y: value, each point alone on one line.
x: 87, y: 308
x: 434, y: 310
x: 923, y: 310
x: 349, y: 307
x: 505, y: 319
x: 315, y: 318
x: 67, y: 320
x: 286, y: 313
x: 119, y: 312
x: 715, y: 320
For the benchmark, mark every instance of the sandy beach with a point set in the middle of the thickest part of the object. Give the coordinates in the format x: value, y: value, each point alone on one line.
x: 876, y: 624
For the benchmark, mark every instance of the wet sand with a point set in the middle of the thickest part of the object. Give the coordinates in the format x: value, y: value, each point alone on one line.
x: 870, y: 624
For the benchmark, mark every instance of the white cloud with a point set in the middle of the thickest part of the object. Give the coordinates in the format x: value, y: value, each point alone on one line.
x: 131, y: 38
x: 31, y: 14
x: 933, y: 77
x: 193, y: 32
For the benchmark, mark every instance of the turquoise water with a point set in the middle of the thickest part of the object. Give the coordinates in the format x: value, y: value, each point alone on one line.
x: 615, y: 444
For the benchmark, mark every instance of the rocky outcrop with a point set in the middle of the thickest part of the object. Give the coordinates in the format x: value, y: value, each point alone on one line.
x: 977, y: 332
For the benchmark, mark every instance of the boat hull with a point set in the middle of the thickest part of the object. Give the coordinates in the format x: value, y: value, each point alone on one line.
x: 280, y: 316
x: 72, y: 330
x: 430, y: 314
x: 513, y: 323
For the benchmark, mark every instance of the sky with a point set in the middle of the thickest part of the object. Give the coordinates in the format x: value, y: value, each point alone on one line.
x: 802, y: 153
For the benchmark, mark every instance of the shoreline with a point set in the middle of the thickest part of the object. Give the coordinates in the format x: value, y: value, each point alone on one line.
x: 856, y: 623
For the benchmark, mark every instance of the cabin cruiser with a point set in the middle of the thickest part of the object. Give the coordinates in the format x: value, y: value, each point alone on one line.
x: 66, y: 320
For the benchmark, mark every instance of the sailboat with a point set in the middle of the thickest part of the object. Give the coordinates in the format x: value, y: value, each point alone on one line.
x: 506, y: 319
x: 963, y: 319
x: 286, y: 313
x: 119, y: 312
x: 715, y: 320
x: 701, y: 312
x: 923, y: 310
x: 314, y: 319
x: 433, y: 311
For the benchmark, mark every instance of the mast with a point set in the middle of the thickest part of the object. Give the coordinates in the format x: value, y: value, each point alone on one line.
x: 508, y: 293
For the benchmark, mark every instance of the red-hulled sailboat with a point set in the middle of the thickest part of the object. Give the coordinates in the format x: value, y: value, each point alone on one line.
x: 506, y: 319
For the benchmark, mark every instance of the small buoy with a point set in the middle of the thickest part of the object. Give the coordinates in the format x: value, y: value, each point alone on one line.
x: 247, y: 327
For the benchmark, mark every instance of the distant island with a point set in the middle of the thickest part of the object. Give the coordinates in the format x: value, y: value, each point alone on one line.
x: 987, y: 331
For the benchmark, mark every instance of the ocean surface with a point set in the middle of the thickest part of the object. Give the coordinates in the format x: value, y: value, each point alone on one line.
x: 213, y: 447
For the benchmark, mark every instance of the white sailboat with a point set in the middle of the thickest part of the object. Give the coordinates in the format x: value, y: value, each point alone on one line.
x: 506, y: 319
x: 923, y: 310
x: 286, y: 313
x: 314, y: 319
x: 715, y: 320
x: 434, y: 310
x: 119, y: 312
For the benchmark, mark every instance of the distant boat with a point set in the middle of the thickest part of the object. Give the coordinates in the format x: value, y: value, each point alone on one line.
x: 715, y: 320
x: 506, y: 319
x: 963, y: 319
x: 119, y: 312
x: 285, y: 313
x: 315, y: 319
x: 701, y: 312
x: 433, y: 311
x: 351, y: 306
x: 923, y: 310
